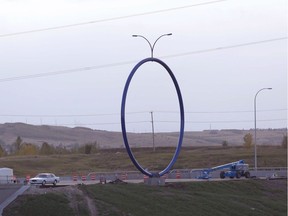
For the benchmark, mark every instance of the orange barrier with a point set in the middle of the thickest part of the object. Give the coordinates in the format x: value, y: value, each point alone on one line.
x: 124, y: 176
x: 178, y: 176
x: 83, y: 178
x: 26, y: 181
x: 75, y: 177
x: 146, y: 178
x: 93, y: 177
x: 14, y: 179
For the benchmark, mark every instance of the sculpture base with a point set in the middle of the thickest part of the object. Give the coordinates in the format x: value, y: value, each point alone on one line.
x: 154, y: 181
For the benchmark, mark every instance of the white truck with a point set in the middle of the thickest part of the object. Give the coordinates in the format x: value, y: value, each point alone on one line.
x: 6, y: 175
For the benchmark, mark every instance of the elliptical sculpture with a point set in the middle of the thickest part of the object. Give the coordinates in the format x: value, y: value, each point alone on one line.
x: 181, y: 107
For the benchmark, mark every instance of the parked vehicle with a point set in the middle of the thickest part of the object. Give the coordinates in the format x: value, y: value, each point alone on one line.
x: 236, y: 169
x: 6, y: 175
x: 45, y: 178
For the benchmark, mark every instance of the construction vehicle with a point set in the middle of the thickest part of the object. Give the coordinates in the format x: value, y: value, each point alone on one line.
x: 235, y: 169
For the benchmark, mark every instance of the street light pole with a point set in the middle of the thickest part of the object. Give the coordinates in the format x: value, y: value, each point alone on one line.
x: 152, y: 122
x: 255, y: 128
x: 152, y: 50
x: 150, y: 45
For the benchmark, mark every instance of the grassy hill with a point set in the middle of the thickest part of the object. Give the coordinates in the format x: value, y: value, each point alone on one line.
x: 118, y: 160
x: 247, y: 197
x: 237, y: 198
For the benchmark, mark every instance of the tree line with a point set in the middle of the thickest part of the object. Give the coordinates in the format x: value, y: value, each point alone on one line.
x: 248, y: 141
x: 19, y: 147
x: 23, y: 148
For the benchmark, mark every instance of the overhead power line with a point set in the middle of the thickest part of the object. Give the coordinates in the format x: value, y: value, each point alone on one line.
x: 131, y: 113
x: 173, y: 122
x: 221, y: 112
x: 226, y: 47
x: 68, y: 71
x: 239, y: 121
x: 109, y: 19
x: 115, y: 64
x: 66, y: 115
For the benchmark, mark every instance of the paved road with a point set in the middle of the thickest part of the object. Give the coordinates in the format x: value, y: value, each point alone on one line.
x: 9, y: 192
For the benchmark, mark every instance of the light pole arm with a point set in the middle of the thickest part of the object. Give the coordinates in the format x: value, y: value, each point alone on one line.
x: 151, y: 48
x: 255, y: 113
x: 257, y: 94
x: 255, y: 102
x: 157, y: 40
x: 150, y: 45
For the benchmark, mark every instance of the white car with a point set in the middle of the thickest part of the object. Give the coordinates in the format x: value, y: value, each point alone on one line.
x: 45, y: 178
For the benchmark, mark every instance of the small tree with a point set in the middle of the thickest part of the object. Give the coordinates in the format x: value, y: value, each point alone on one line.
x: 28, y: 149
x: 248, y: 140
x: 225, y: 143
x: 284, y: 142
x: 61, y: 149
x: 88, y: 148
x: 46, y: 149
x: 2, y: 151
x: 17, y: 145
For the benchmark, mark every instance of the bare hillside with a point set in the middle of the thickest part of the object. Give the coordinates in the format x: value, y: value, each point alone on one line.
x: 58, y: 135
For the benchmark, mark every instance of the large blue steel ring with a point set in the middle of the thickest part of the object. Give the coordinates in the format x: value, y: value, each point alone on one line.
x: 123, y: 124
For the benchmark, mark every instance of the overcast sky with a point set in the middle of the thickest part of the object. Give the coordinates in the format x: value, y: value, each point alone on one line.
x: 65, y: 62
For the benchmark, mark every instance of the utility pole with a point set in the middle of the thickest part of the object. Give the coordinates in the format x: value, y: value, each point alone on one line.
x: 152, y: 122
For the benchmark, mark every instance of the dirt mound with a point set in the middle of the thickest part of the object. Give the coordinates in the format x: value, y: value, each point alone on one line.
x: 76, y: 197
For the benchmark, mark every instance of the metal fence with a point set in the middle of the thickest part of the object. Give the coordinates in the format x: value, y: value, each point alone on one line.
x: 173, y: 174
x: 263, y: 172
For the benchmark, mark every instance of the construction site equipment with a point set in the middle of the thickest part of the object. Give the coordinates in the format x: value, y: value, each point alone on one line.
x: 235, y: 169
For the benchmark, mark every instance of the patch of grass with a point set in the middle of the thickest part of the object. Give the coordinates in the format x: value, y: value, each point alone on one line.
x: 117, y: 159
x: 198, y: 198
x: 44, y: 205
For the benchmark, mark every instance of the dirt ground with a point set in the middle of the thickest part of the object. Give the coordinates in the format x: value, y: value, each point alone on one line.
x: 73, y: 194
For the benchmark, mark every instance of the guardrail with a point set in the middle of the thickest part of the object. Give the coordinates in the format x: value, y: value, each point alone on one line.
x: 260, y: 172
x: 270, y: 169
x: 182, y: 174
x: 268, y: 172
x: 173, y: 174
